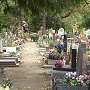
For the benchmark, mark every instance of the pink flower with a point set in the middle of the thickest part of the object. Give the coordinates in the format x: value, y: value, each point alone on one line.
x: 88, y: 76
x: 59, y: 62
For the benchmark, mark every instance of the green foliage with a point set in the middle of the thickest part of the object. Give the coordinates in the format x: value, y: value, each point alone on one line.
x: 53, y: 20
x: 12, y: 54
x: 9, y: 11
x: 34, y: 37
x: 51, y: 43
x: 86, y: 19
x: 36, y: 23
x: 88, y: 50
x: 67, y: 27
x: 72, y: 79
x: 7, y: 82
x: 36, y: 6
x: 34, y: 10
x: 5, y: 20
x: 48, y: 5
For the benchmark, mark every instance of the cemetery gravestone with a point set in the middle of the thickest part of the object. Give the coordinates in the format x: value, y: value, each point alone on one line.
x: 81, y: 52
x: 10, y: 49
x: 88, y: 64
x: 73, y: 55
x: 65, y: 42
x: 61, y: 31
x: 84, y: 66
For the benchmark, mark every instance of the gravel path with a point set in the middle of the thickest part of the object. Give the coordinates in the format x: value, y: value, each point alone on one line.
x: 29, y: 75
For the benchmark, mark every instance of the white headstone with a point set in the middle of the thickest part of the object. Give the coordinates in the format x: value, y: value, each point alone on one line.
x: 74, y: 46
x: 10, y: 49
x: 61, y: 31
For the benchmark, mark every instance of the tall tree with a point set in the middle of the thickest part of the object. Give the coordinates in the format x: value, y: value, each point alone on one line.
x: 42, y: 6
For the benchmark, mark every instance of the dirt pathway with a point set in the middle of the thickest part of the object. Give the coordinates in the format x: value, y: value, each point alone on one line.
x: 29, y: 75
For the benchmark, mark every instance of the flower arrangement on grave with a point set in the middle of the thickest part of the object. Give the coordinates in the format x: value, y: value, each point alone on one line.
x: 73, y: 79
x: 58, y: 63
x: 55, y: 56
x: 51, y: 43
x: 60, y: 47
x: 88, y: 51
x: 34, y: 37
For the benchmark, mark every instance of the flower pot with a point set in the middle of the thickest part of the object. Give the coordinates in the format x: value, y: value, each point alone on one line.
x: 47, y: 47
x: 58, y: 64
x: 51, y: 62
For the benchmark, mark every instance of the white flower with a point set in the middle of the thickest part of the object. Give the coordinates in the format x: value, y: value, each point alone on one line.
x: 75, y: 73
x: 77, y: 78
x: 82, y: 81
x: 67, y: 75
x: 73, y: 77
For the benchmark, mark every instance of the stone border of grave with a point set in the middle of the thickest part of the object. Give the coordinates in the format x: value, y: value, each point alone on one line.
x: 9, y: 58
x: 81, y: 67
x: 59, y: 82
x: 65, y: 87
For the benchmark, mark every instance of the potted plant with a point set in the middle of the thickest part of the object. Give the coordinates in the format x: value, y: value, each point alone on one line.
x: 47, y: 47
x: 13, y: 54
x: 7, y: 83
x: 73, y: 81
x: 55, y: 58
x: 51, y: 43
x: 58, y: 63
x: 60, y: 47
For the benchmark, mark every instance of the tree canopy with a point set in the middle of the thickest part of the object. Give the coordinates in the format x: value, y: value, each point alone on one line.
x: 48, y: 5
x: 54, y: 10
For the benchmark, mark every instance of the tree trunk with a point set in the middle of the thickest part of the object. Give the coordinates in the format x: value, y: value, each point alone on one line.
x: 23, y: 14
x: 44, y: 23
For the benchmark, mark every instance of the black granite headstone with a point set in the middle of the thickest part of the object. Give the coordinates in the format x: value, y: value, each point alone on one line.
x: 73, y: 52
x: 65, y: 42
x: 73, y: 60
